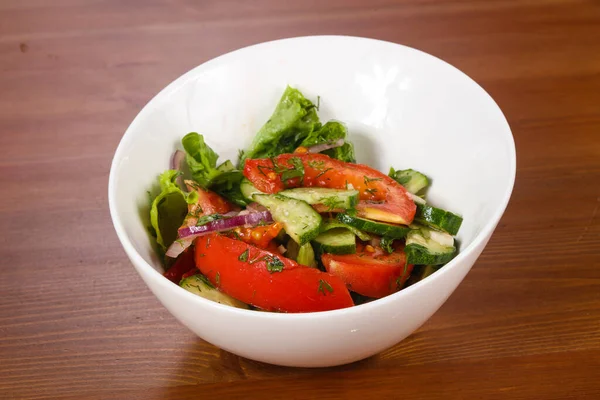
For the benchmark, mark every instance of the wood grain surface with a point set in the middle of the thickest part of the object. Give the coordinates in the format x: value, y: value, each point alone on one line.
x: 77, y: 322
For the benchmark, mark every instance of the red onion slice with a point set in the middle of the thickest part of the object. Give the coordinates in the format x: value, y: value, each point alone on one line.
x: 189, y: 233
x: 416, y: 198
x: 325, y: 146
x: 226, y: 224
x: 177, y: 163
x: 178, y: 246
x: 177, y: 159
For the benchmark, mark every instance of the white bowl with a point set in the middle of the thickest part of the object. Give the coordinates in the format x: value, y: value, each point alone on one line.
x: 403, y: 108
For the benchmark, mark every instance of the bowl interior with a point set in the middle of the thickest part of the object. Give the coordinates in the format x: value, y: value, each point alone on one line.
x: 403, y: 108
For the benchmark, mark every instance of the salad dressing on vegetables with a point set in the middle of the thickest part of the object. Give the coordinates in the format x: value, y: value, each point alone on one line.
x: 297, y: 225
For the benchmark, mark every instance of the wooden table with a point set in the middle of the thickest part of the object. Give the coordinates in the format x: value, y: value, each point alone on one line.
x: 75, y: 319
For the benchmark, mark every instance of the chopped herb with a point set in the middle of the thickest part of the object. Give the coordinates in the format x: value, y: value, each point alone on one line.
x: 386, y: 244
x: 258, y: 259
x: 208, y: 218
x: 371, y: 191
x: 296, y: 171
x: 204, y: 279
x: 274, y: 264
x: 218, y: 278
x: 196, y: 211
x: 323, y: 286
x: 332, y: 203
x: 369, y: 180
x: 291, y: 174
x: 261, y: 167
x: 244, y: 256
x: 318, y: 165
x: 323, y: 172
x: 318, y: 103
x: 236, y: 234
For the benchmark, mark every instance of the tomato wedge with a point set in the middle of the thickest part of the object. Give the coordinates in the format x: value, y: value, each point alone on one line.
x: 371, y: 276
x: 260, y: 236
x: 183, y: 264
x: 381, y: 197
x: 266, y: 279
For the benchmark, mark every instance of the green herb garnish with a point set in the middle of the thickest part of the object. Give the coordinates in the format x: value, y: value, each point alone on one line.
x: 274, y: 264
x: 208, y: 218
x: 386, y: 244
x: 324, y: 286
x: 368, y: 180
x: 244, y: 256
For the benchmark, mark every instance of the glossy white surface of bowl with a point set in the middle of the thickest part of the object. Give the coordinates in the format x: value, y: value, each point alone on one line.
x: 403, y: 108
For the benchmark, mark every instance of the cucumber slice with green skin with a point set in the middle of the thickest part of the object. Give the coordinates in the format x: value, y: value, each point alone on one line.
x: 421, y: 272
x: 332, y: 198
x: 438, y: 218
x: 412, y: 180
x: 336, y: 241
x: 427, y: 270
x: 429, y: 247
x: 304, y: 255
x: 248, y: 190
x: 334, y: 223
x: 298, y: 218
x: 199, y: 285
x: 378, y: 228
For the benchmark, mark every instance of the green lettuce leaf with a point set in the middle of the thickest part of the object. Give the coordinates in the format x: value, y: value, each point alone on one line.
x: 202, y: 162
x: 329, y: 133
x: 294, y: 118
x: 169, y: 208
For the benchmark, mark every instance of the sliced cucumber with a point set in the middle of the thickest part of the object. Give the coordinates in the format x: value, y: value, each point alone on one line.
x: 412, y: 180
x: 378, y: 228
x: 438, y: 218
x: 332, y: 198
x: 298, y: 218
x: 429, y: 247
x: 336, y: 241
x: 304, y: 254
x: 427, y: 270
x: 334, y: 223
x: 198, y: 284
x: 421, y: 272
x: 248, y: 190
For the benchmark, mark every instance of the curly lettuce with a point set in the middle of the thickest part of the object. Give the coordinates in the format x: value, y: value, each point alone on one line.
x: 202, y: 162
x: 169, y: 208
x: 294, y: 118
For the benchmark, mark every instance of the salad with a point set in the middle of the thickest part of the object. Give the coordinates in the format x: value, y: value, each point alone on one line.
x: 297, y: 225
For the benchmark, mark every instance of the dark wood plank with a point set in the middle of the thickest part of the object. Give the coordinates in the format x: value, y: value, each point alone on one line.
x: 76, y: 321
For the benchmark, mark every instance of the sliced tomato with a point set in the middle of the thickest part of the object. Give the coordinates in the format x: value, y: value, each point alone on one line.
x: 369, y: 275
x: 266, y: 279
x: 183, y: 264
x: 260, y: 236
x: 209, y: 202
x: 381, y: 197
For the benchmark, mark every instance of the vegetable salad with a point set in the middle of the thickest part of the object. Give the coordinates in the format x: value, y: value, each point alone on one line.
x: 296, y: 225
